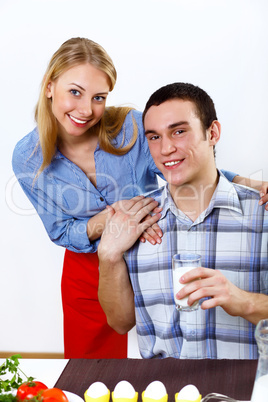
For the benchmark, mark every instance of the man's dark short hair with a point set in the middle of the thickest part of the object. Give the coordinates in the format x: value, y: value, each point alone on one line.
x: 204, y: 105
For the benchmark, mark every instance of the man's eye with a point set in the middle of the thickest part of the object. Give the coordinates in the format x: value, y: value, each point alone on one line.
x: 179, y: 132
x: 154, y: 137
x: 75, y: 92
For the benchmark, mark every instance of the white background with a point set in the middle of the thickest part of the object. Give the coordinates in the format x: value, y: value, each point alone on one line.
x: 220, y: 45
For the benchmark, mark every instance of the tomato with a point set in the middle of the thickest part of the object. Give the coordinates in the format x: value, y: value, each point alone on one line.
x: 53, y: 395
x: 29, y: 390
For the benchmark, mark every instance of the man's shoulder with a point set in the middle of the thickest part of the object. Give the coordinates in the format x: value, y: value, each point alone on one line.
x: 246, y: 193
x: 157, y: 194
x: 249, y: 199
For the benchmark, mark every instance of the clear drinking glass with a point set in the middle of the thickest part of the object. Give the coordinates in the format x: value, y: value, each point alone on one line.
x: 182, y: 263
x: 260, y: 389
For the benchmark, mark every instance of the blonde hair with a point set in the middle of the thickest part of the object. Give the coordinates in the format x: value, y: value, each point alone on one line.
x: 73, y: 52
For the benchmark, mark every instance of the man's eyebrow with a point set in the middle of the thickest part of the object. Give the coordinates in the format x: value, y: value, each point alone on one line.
x: 178, y: 124
x: 170, y: 126
x: 150, y: 132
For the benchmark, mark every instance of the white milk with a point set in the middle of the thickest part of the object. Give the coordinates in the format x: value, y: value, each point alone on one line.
x: 260, y: 390
x: 177, y: 286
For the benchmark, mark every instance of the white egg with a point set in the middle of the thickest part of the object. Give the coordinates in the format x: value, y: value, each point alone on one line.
x: 124, y: 390
x: 189, y: 393
x: 155, y: 390
x: 97, y: 389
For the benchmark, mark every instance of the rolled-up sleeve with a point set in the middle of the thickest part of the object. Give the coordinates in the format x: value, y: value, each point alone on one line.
x: 47, y: 196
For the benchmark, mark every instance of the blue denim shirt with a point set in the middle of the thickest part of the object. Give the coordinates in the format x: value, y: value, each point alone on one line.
x: 65, y: 198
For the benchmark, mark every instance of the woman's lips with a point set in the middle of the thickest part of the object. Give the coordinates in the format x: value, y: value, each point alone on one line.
x: 80, y: 123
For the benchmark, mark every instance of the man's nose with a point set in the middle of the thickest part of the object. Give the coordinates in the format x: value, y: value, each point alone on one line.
x: 168, y: 146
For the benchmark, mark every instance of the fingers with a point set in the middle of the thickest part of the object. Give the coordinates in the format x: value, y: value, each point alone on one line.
x: 264, y: 200
x: 110, y: 211
x: 211, y: 284
x: 143, y: 206
x: 264, y: 195
x: 153, y: 234
x: 149, y: 222
x: 200, y: 283
x: 125, y: 205
x: 134, y: 205
x: 197, y: 273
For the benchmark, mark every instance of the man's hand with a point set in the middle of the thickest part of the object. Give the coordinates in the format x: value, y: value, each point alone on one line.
x: 204, y: 282
x: 123, y: 228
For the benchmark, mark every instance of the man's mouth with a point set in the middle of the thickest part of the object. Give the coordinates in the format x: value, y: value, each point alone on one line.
x: 172, y: 163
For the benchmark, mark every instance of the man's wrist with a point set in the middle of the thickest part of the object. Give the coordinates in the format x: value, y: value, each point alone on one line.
x: 107, y: 255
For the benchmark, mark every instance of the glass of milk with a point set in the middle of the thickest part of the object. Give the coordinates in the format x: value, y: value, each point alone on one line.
x: 260, y: 389
x: 182, y: 263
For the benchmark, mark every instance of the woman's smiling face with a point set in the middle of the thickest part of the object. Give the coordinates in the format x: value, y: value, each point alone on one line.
x: 78, y: 99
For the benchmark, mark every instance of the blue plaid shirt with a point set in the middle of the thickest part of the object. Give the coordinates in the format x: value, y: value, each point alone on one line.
x: 232, y: 236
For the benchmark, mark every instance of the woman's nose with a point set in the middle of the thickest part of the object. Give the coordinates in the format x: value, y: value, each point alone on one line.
x: 85, y: 108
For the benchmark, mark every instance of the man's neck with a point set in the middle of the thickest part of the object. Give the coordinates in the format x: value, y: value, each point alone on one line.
x: 193, y: 198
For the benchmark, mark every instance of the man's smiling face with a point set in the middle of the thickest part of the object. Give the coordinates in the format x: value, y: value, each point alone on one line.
x: 180, y: 147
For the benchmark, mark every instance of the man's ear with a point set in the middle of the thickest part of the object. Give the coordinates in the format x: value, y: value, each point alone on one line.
x: 214, y: 132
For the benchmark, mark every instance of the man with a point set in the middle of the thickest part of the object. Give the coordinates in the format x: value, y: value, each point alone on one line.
x: 201, y: 212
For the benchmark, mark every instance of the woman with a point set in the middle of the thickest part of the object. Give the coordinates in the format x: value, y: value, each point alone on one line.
x: 82, y: 157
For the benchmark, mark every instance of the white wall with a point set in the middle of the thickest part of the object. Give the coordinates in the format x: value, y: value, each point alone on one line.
x: 219, y: 45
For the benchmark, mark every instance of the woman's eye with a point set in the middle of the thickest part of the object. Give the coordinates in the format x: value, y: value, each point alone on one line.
x: 99, y: 98
x: 75, y: 92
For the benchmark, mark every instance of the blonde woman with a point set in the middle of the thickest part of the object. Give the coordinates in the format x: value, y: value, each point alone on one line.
x: 80, y: 158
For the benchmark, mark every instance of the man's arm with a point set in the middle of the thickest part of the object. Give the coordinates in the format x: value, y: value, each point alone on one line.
x: 236, y: 302
x: 123, y: 229
x: 115, y: 292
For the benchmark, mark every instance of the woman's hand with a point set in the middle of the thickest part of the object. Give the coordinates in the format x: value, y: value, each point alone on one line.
x: 153, y: 234
x: 264, y: 195
x: 124, y: 226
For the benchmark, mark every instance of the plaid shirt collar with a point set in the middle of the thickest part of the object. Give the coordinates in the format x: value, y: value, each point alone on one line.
x: 225, y: 196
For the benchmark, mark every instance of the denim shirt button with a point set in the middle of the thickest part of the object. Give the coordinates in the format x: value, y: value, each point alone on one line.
x: 102, y: 199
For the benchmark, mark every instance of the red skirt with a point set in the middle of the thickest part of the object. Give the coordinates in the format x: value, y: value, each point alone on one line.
x: 86, y: 332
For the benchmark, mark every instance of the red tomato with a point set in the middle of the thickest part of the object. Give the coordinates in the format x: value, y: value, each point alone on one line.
x: 53, y: 395
x: 29, y: 390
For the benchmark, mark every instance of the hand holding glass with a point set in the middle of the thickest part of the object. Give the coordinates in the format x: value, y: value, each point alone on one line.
x: 182, y: 263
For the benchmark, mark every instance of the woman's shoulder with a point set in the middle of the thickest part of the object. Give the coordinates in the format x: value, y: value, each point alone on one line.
x: 27, y: 150
x: 27, y: 143
x: 134, y: 114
